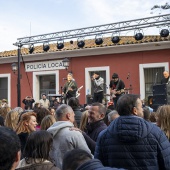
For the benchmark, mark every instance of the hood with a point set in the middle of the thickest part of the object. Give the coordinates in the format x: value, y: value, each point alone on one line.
x: 57, y: 126
x: 129, y: 128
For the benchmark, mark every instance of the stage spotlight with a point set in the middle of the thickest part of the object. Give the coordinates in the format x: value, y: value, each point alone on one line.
x: 98, y: 41
x: 31, y: 48
x: 115, y: 39
x: 138, y: 36
x: 46, y: 47
x: 60, y: 45
x: 81, y: 43
x: 164, y: 33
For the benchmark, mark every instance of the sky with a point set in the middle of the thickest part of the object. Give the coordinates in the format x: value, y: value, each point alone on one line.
x: 21, y: 18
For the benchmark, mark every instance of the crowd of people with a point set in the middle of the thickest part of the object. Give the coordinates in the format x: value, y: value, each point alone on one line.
x: 68, y: 136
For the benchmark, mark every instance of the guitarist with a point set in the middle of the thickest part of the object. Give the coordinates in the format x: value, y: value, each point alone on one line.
x: 70, y: 88
x: 116, y: 88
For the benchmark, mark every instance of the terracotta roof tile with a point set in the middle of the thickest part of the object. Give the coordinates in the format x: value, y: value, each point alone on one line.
x: 89, y: 43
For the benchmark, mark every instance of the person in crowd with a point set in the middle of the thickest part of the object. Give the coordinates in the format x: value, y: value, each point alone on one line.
x: 36, y: 152
x: 98, y: 85
x: 106, y: 116
x: 52, y: 110
x: 4, y: 103
x: 4, y: 111
x: 28, y: 101
x: 53, y: 98
x: 112, y: 116
x: 63, y: 138
x: 84, y: 120
x: 44, y: 102
x: 37, y: 105
x: 11, y: 120
x: 10, y: 149
x: 140, y: 144
x: 1, y: 121
x: 153, y: 117
x: 146, y: 113
x: 75, y: 105
x: 166, y: 78
x: 163, y: 119
x: 70, y: 88
x: 19, y: 110
x: 116, y: 88
x: 26, y: 125
x: 78, y: 159
x: 95, y: 125
x: 47, y: 121
x: 41, y: 113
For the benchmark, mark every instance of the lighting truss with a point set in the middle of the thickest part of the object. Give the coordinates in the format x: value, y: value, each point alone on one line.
x: 155, y: 21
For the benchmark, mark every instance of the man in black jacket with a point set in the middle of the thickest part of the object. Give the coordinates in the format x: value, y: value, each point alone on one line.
x: 116, y: 88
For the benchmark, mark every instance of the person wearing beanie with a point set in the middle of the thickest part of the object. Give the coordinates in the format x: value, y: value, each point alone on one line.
x: 116, y: 88
x: 98, y: 84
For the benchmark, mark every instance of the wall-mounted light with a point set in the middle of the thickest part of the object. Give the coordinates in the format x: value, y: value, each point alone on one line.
x: 46, y: 47
x: 99, y: 39
x: 66, y: 63
x: 164, y: 33
x: 31, y: 48
x: 14, y: 67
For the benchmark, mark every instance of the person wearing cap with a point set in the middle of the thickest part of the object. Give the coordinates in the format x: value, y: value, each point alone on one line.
x: 98, y: 83
x: 116, y: 88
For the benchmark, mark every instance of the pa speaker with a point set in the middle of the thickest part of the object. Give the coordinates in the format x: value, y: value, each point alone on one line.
x: 161, y: 89
x: 160, y: 99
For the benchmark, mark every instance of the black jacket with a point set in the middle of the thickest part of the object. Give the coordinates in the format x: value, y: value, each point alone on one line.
x: 94, y: 164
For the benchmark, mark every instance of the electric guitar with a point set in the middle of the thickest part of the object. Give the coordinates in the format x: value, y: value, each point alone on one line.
x: 114, y: 92
x: 78, y: 91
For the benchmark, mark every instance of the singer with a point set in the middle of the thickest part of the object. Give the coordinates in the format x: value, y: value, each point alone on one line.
x: 116, y: 88
x: 70, y: 88
x: 98, y: 83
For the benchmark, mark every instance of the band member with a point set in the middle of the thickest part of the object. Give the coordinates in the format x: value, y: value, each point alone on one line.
x: 70, y: 88
x: 98, y: 83
x: 116, y: 88
x: 166, y: 78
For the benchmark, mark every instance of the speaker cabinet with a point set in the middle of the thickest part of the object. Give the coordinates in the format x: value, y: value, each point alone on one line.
x: 161, y: 89
x: 160, y: 99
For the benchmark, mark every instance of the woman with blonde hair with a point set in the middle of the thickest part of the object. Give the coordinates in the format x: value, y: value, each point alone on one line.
x: 84, y: 121
x: 26, y: 125
x: 47, y: 122
x: 163, y: 119
x: 11, y: 120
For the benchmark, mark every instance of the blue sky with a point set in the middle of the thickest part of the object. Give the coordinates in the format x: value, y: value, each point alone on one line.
x: 20, y: 18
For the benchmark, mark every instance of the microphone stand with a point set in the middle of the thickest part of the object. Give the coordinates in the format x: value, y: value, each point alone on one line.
x: 156, y: 75
x: 130, y: 83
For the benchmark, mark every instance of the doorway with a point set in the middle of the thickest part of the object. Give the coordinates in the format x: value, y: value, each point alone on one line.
x: 46, y: 82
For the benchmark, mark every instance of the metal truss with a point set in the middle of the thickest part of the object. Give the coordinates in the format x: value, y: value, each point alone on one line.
x: 137, y: 24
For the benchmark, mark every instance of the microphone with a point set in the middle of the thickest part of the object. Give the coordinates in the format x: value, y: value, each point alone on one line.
x: 64, y: 78
x: 128, y: 75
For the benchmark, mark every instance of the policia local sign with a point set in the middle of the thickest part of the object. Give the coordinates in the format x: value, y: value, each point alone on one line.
x: 44, y: 65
